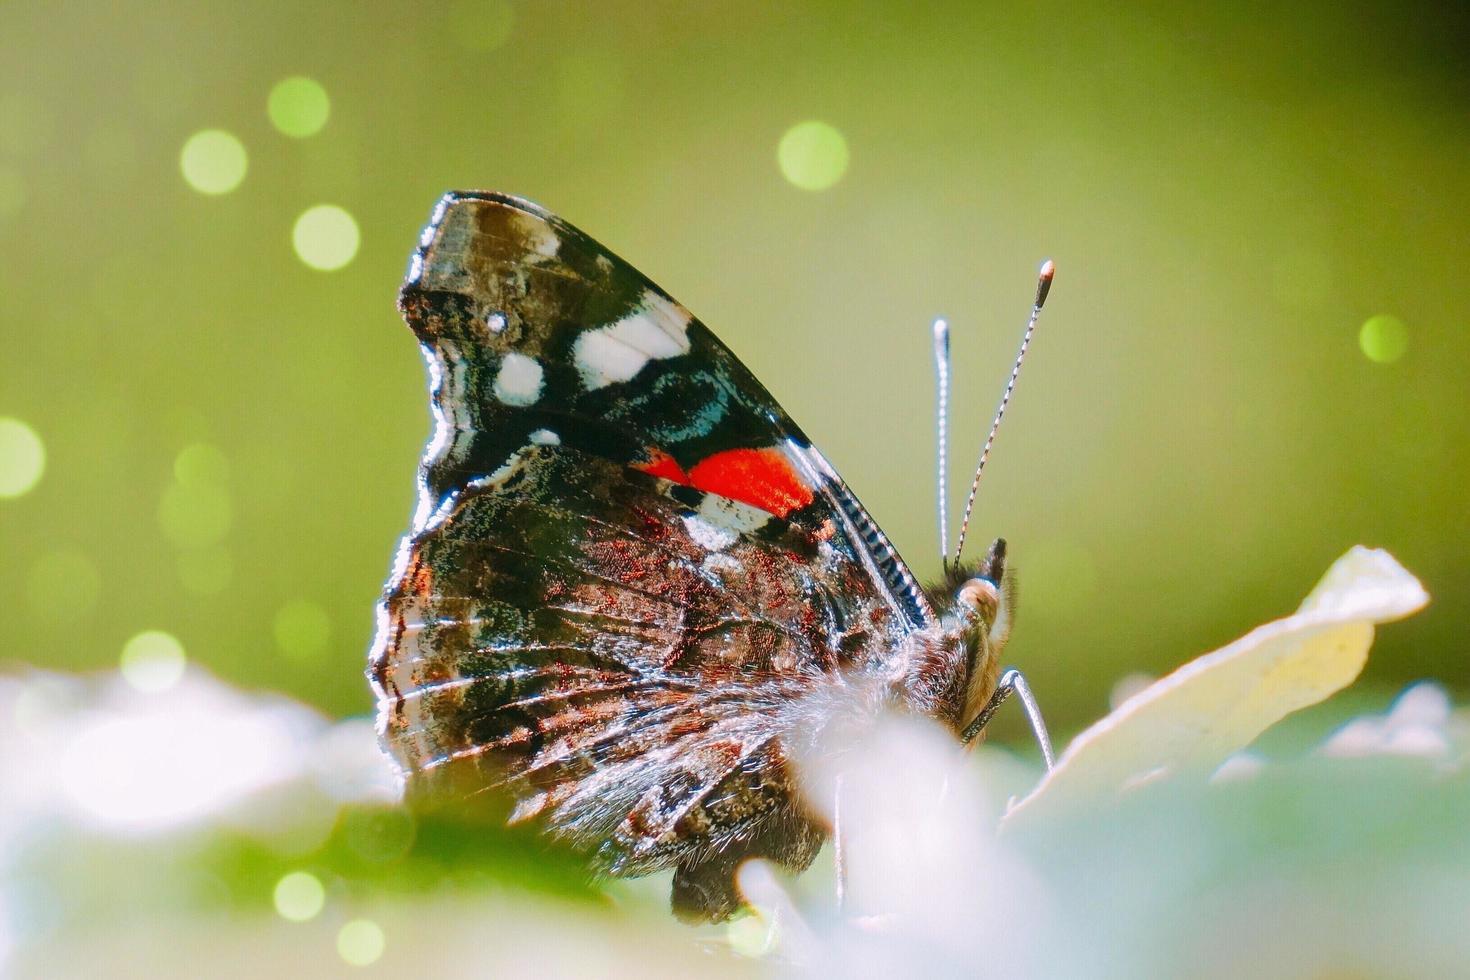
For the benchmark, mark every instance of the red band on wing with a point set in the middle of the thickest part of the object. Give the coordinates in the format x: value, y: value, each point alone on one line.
x: 662, y: 465
x: 763, y: 478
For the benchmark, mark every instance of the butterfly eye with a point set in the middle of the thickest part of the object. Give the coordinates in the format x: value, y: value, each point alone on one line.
x: 980, y: 594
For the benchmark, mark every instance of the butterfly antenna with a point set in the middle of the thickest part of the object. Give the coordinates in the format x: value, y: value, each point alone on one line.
x: 941, y: 429
x: 1043, y: 286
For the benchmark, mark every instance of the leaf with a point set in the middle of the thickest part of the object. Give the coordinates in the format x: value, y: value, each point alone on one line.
x: 1196, y: 717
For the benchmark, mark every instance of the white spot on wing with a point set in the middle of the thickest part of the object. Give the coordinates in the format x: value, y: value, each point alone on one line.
x: 648, y: 331
x: 519, y: 380
x: 657, y: 329
x: 710, y: 537
x: 602, y: 360
x: 721, y: 521
x: 545, y: 437
x: 739, y: 517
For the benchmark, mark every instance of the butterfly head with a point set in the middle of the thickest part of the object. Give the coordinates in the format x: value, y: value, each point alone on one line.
x: 980, y: 600
x: 976, y: 603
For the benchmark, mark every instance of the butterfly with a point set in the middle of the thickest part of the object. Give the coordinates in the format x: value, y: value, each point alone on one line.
x: 633, y: 591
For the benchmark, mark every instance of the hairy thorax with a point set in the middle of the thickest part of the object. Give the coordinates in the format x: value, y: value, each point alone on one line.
x: 949, y: 675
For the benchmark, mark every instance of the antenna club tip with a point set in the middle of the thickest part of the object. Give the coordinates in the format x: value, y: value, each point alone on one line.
x: 1043, y: 281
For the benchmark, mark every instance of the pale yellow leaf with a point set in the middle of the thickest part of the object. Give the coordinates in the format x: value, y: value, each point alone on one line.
x: 1196, y: 717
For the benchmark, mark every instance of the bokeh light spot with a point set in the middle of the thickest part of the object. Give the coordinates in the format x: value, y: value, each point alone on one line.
x: 1384, y: 338
x: 13, y: 194
x: 63, y: 586
x: 812, y: 155
x: 200, y: 464
x: 299, y: 896
x: 206, y: 571
x: 325, y: 237
x: 481, y: 25
x: 195, y: 515
x: 302, y: 628
x: 361, y: 942
x: 22, y: 458
x: 152, y: 662
x: 298, y: 106
x: 213, y: 161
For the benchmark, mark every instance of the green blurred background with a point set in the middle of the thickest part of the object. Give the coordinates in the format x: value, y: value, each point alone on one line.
x: 1255, y: 354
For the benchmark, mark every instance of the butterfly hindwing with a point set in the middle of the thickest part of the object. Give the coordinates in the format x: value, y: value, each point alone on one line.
x: 619, y: 655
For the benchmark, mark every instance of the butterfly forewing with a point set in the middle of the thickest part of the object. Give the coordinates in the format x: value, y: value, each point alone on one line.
x: 627, y: 568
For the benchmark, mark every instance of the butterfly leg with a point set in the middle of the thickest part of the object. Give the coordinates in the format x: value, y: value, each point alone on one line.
x: 1013, y: 682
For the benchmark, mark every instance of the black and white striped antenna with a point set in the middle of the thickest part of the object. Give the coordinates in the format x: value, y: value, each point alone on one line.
x: 941, y: 427
x: 1043, y: 286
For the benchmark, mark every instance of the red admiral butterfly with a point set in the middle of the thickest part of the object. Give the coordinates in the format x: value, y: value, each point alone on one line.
x: 633, y: 591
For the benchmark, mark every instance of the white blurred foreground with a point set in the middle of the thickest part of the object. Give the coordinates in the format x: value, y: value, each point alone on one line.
x: 97, y: 752
x: 202, y: 831
x: 1315, y: 867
